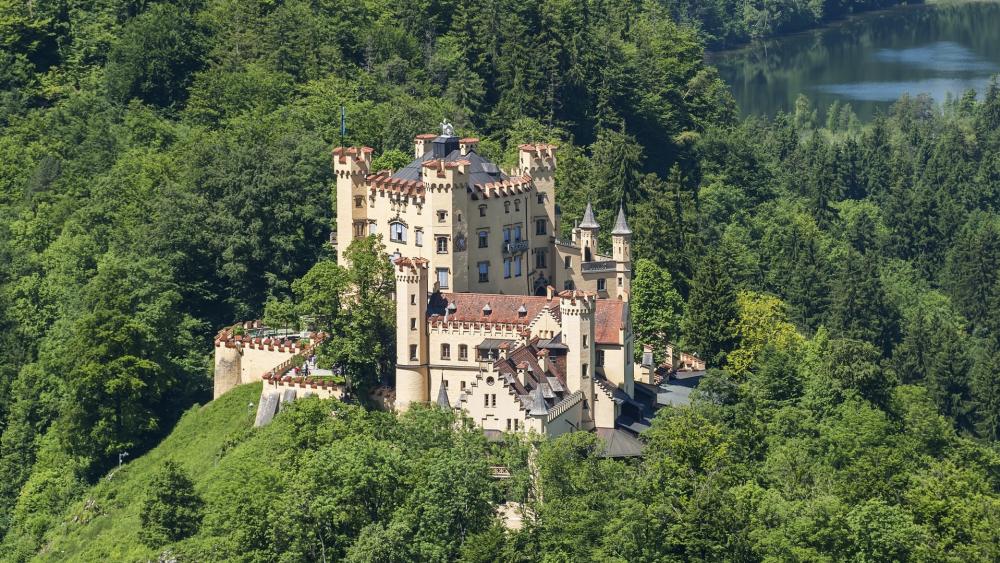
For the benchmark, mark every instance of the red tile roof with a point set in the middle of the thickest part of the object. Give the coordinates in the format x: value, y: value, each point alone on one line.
x: 608, y: 317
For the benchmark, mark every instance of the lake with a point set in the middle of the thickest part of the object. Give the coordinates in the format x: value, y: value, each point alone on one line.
x: 870, y: 60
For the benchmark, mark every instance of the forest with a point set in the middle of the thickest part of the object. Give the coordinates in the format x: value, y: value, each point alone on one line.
x: 165, y: 171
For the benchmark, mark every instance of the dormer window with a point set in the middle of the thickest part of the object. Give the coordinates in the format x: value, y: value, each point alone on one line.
x: 487, y: 309
x: 522, y: 310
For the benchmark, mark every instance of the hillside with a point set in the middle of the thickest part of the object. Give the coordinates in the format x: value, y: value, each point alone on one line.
x: 103, y: 524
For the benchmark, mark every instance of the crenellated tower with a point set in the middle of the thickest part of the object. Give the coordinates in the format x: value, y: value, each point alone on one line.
x: 412, y: 353
x: 350, y: 167
x: 577, y: 311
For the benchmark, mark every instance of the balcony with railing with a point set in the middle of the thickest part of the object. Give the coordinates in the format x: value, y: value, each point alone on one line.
x: 515, y: 247
x: 601, y: 266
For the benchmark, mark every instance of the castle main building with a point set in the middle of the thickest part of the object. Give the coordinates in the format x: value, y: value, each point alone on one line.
x: 480, y: 229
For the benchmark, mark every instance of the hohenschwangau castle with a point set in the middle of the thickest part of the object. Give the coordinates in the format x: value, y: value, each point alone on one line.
x: 496, y: 316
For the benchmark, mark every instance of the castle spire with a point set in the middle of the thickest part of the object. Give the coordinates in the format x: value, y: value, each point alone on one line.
x: 588, y: 219
x: 621, y: 226
x: 442, y: 399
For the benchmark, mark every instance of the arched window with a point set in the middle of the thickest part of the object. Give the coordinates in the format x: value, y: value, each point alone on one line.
x: 397, y: 232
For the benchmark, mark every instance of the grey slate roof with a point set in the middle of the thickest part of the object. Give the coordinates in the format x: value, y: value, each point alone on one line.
x: 619, y: 443
x: 481, y: 170
x: 538, y: 407
x: 621, y: 226
x: 442, y: 399
x: 588, y: 219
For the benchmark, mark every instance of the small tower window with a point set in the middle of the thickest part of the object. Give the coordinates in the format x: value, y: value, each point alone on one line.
x: 506, y: 207
x: 602, y: 284
x: 600, y: 358
x: 540, y: 259
x: 413, y: 323
x: 541, y: 199
x: 540, y: 226
x: 413, y: 352
x: 484, y: 239
x: 442, y: 215
x: 568, y: 262
x: 621, y: 281
x: 484, y: 272
x: 482, y: 210
x: 463, y: 355
x: 359, y: 201
x: 517, y: 205
x: 418, y: 237
x: 442, y: 245
x: 446, y: 351
x: 442, y: 275
x: 585, y: 371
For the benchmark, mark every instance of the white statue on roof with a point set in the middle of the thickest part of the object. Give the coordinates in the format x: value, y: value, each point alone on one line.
x: 447, y: 129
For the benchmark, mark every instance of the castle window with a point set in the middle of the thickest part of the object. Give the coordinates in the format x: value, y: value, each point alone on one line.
x: 484, y: 272
x: 493, y: 399
x: 506, y: 207
x: 442, y: 215
x: 517, y: 233
x: 602, y: 284
x: 484, y: 239
x: 586, y: 341
x: 359, y: 229
x: 413, y: 323
x: 442, y: 275
x: 600, y: 358
x: 517, y: 425
x: 397, y: 232
x: 540, y: 226
x: 482, y: 210
x: 541, y: 199
x: 508, y: 425
x: 540, y: 259
x: 517, y: 205
x: 568, y: 262
x: 463, y: 355
x: 517, y: 266
x: 506, y: 267
x: 359, y: 201
x: 413, y: 352
x: 446, y: 351
x: 585, y: 370
x: 463, y: 385
x: 442, y: 245
x: 490, y: 381
x: 506, y: 235
x: 458, y: 217
x: 372, y: 228
x: 413, y: 299
x: 418, y: 237
x: 621, y: 281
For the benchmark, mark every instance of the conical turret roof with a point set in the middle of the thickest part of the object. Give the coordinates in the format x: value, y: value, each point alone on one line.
x: 588, y: 219
x: 442, y: 399
x: 621, y: 226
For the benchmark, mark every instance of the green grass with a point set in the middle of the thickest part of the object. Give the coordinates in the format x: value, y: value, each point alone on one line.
x: 103, y: 525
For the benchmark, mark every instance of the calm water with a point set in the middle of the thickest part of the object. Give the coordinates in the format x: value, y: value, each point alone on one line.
x: 870, y: 60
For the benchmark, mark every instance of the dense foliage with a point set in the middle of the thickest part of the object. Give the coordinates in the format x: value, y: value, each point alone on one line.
x: 164, y: 171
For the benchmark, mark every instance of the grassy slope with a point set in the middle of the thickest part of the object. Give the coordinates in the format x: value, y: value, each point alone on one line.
x: 104, y: 524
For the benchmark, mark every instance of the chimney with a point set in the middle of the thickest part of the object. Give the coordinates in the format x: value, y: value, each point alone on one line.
x: 543, y: 358
x: 421, y: 144
x: 549, y: 292
x: 522, y: 373
x: 467, y: 145
x: 503, y: 350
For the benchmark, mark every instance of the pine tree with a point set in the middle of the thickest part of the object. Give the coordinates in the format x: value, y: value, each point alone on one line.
x: 172, y: 510
x: 861, y: 309
x: 986, y: 392
x: 709, y: 325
